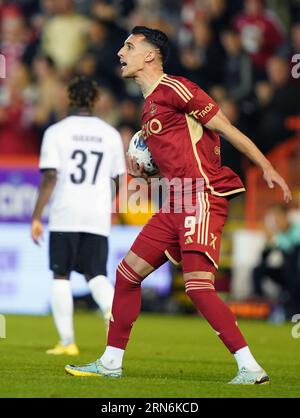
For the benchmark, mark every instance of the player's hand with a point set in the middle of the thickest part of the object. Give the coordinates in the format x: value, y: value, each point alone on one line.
x: 271, y: 176
x: 37, y: 231
x: 135, y: 169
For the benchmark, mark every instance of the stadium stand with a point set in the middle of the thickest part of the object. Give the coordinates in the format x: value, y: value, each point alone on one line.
x: 247, y: 69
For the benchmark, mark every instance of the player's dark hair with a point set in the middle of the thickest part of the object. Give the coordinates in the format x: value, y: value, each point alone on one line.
x: 156, y: 38
x: 83, y: 93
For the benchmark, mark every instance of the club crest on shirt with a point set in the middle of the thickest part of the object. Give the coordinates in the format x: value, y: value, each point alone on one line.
x: 217, y: 150
x: 152, y: 108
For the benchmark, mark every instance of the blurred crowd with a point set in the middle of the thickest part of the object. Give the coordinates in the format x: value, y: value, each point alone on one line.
x: 280, y: 263
x: 240, y: 51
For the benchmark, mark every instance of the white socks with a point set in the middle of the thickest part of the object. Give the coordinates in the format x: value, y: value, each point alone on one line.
x: 62, y: 304
x: 103, y: 293
x: 62, y: 309
x: 245, y: 359
x: 112, y: 358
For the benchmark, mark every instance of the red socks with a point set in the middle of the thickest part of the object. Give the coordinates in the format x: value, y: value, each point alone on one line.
x: 216, y: 312
x: 126, y: 305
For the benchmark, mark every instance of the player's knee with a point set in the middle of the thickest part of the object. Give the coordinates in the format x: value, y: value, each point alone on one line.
x: 126, y: 277
x: 141, y: 267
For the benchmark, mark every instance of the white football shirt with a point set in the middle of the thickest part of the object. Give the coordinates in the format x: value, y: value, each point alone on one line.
x: 86, y: 152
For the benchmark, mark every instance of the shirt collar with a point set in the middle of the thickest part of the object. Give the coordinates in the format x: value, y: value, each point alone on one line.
x: 153, y: 87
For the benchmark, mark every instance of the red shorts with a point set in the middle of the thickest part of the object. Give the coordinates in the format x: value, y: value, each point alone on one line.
x: 198, y: 231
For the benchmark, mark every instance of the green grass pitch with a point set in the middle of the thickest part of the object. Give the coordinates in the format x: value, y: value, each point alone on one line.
x: 166, y: 357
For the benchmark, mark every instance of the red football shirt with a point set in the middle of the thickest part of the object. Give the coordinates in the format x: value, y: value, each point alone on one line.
x: 174, y: 116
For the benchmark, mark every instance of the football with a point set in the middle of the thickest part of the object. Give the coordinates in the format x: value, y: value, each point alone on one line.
x: 138, y: 149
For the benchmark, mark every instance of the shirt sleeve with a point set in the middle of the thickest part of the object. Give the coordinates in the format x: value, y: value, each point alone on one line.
x: 49, y: 157
x: 118, y: 164
x: 191, y: 99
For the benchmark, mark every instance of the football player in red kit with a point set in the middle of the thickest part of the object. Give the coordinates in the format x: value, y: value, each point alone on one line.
x: 181, y: 125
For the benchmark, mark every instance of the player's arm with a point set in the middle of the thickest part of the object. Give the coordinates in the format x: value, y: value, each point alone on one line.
x: 195, y: 102
x: 220, y: 124
x: 46, y: 188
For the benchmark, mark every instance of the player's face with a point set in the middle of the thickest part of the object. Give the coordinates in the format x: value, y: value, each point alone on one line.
x: 133, y: 56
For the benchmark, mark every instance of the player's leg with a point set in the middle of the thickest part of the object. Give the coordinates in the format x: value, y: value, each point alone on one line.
x: 200, y: 241
x: 198, y: 273
x: 102, y: 292
x: 126, y: 308
x: 199, y: 284
x: 146, y: 254
x: 141, y: 260
x: 92, y: 260
x: 61, y: 254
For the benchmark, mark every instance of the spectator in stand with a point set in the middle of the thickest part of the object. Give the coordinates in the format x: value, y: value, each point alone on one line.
x: 292, y: 48
x: 48, y: 8
x: 219, y: 14
x: 237, y: 69
x: 83, y: 37
x: 280, y: 260
x: 14, y: 36
x: 203, y: 59
x: 87, y: 66
x: 104, y: 9
x: 17, y: 132
x: 192, y: 65
x: 46, y: 90
x: 261, y: 33
x: 278, y: 98
x: 37, y: 19
x: 102, y: 49
x: 64, y: 36
x: 292, y: 45
x: 286, y: 96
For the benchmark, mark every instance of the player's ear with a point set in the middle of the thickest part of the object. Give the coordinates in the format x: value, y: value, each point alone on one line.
x: 149, y: 56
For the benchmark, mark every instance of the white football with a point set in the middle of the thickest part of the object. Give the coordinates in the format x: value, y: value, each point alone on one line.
x: 138, y: 149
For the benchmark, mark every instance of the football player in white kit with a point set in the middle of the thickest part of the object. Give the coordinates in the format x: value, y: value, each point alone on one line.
x: 79, y: 157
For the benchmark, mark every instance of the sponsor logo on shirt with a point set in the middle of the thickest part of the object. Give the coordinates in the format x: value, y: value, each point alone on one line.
x: 201, y: 113
x: 152, y: 127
